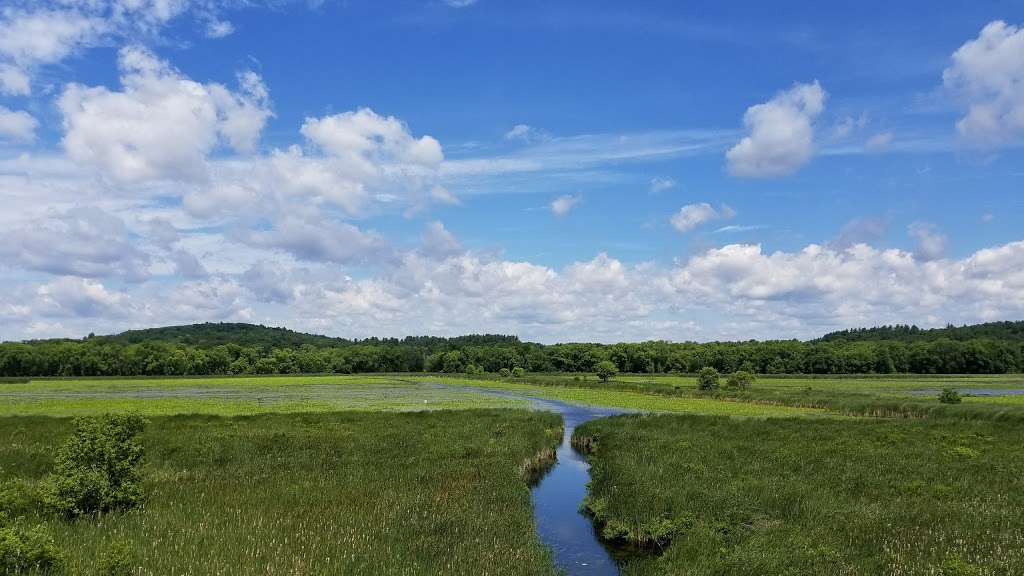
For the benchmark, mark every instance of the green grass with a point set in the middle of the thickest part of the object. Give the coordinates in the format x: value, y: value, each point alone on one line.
x: 234, y: 396
x: 815, y: 497
x: 344, y: 493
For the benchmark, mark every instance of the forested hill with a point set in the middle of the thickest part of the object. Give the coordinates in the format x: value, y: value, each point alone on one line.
x: 1012, y: 331
x: 211, y: 335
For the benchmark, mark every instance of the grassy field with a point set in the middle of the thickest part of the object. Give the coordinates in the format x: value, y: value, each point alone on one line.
x: 826, y: 496
x: 344, y: 493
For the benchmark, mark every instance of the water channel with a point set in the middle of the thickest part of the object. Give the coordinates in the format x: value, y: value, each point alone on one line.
x: 559, y: 494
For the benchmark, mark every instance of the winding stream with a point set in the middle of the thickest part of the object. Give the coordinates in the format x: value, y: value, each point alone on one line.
x: 559, y: 494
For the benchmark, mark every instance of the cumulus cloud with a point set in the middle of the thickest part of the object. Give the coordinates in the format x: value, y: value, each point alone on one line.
x: 81, y: 297
x: 314, y: 237
x: 269, y: 282
x: 162, y: 125
x: 693, y: 215
x: 861, y: 231
x: 85, y: 241
x: 17, y: 125
x: 781, y: 136
x: 563, y: 204
x: 931, y: 242
x: 659, y: 185
x: 987, y: 75
x: 32, y: 38
x: 219, y: 28
x: 437, y: 242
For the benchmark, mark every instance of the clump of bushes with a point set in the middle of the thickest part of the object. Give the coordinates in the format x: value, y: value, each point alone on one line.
x: 950, y: 396
x: 504, y: 372
x: 707, y: 379
x: 99, y: 468
x: 740, y: 380
x: 518, y: 372
x: 27, y: 550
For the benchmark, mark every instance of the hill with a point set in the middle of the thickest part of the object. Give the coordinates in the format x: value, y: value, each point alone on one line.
x: 1011, y: 331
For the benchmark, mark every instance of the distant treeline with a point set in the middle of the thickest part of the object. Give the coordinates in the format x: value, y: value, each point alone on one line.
x: 121, y: 355
x: 989, y: 331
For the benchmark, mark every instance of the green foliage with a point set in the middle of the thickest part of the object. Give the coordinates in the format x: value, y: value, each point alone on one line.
x: 118, y: 561
x: 707, y: 378
x: 17, y: 497
x: 518, y: 372
x: 26, y: 550
x: 99, y: 468
x: 949, y: 396
x: 740, y: 380
x: 606, y: 370
x: 955, y: 565
x: 504, y: 372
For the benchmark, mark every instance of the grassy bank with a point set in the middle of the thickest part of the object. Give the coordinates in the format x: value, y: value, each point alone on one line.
x: 825, y: 496
x: 344, y: 493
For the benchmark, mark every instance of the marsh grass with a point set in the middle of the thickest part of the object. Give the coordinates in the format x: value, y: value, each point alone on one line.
x: 799, y: 496
x: 344, y: 493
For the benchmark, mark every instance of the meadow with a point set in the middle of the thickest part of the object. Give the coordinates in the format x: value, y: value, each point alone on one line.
x: 437, y: 492
x: 711, y: 495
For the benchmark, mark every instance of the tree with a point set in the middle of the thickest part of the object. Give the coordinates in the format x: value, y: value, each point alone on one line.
x: 740, y: 380
x: 707, y: 378
x: 949, y: 396
x: 99, y: 468
x: 518, y: 372
x: 606, y: 369
x: 505, y: 372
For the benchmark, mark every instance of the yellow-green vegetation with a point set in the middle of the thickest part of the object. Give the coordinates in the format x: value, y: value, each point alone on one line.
x: 343, y: 493
x: 797, y: 496
x: 233, y: 396
x: 634, y: 400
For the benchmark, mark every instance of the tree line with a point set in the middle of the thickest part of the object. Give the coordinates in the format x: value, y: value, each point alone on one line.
x: 99, y: 356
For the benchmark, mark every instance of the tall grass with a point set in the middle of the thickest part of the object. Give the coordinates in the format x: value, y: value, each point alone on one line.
x: 821, y: 497
x: 344, y: 493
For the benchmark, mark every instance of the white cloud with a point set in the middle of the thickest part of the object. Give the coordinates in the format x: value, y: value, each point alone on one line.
x: 987, y: 74
x: 29, y: 39
x: 437, y: 242
x: 987, y: 218
x: 80, y: 297
x: 312, y: 236
x: 459, y: 3
x: 781, y: 136
x: 861, y: 231
x: 163, y: 125
x: 442, y: 195
x: 563, y: 204
x: 878, y: 142
x: 931, y: 242
x: 659, y: 185
x: 219, y: 29
x: 17, y: 125
x: 519, y: 131
x: 693, y: 215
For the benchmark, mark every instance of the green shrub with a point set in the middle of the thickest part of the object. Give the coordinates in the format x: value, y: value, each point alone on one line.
x: 118, y: 560
x: 99, y: 468
x: 18, y: 497
x: 949, y: 396
x: 518, y: 372
x: 606, y: 369
x: 740, y: 380
x: 24, y: 550
x: 504, y: 373
x: 707, y: 379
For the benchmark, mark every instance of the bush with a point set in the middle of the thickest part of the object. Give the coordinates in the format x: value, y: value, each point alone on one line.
x: 740, y: 380
x: 707, y: 379
x: 118, y: 560
x: 24, y: 550
x: 605, y: 370
x: 504, y: 373
x: 518, y: 372
x: 18, y: 497
x: 99, y: 468
x: 949, y: 396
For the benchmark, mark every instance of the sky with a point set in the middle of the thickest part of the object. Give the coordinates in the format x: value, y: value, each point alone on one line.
x: 562, y: 170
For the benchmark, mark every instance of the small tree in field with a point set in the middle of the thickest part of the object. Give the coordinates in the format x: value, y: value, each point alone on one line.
x: 707, y: 379
x: 518, y: 372
x: 504, y: 372
x: 605, y: 370
x: 949, y: 396
x: 740, y: 380
x: 99, y: 468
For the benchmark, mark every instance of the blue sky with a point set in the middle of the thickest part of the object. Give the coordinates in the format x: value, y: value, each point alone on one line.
x: 558, y: 170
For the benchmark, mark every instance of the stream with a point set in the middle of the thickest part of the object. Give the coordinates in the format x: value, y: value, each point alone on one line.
x: 560, y: 492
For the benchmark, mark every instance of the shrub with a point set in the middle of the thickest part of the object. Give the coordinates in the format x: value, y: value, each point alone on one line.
x: 18, y: 497
x: 504, y: 372
x: 99, y: 468
x: 118, y: 560
x: 518, y: 372
x: 24, y: 550
x: 605, y: 370
x: 949, y: 396
x: 740, y: 380
x: 707, y: 379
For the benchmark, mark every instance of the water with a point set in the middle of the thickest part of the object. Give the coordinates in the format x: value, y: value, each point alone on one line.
x: 559, y: 494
